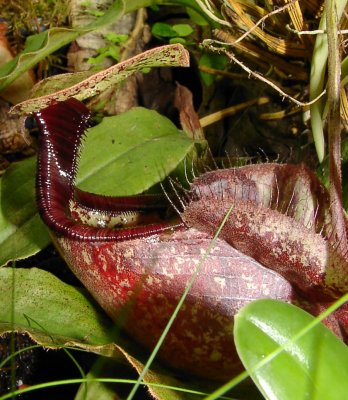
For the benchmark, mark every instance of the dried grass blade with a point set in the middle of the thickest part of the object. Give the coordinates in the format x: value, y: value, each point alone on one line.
x: 281, y: 46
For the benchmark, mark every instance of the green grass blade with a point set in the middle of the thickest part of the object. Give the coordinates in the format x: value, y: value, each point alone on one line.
x: 177, y: 309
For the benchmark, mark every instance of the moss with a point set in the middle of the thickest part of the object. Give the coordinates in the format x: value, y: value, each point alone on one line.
x: 27, y: 17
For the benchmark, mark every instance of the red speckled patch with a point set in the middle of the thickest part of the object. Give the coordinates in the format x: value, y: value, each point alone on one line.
x: 149, y: 275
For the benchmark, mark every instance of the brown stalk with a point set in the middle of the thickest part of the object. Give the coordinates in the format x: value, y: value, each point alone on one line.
x: 334, y: 127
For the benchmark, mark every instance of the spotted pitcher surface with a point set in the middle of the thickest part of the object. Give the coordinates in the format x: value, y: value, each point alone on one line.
x: 278, y: 242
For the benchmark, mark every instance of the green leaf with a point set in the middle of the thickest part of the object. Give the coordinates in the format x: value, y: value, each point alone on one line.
x: 196, y: 17
x: 212, y: 60
x: 52, y: 312
x: 22, y: 233
x: 41, y: 45
x: 115, y: 37
x: 177, y: 40
x: 128, y: 153
x: 314, y: 366
x: 183, y: 29
x: 163, y: 30
x: 55, y: 315
x: 94, y: 389
x: 176, y: 32
x: 32, y: 44
x: 53, y: 40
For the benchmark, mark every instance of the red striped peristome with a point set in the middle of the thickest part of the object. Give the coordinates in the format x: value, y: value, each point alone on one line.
x: 62, y: 126
x: 277, y: 243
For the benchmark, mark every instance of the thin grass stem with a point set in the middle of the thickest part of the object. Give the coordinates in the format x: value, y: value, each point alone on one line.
x: 103, y: 380
x: 178, y: 307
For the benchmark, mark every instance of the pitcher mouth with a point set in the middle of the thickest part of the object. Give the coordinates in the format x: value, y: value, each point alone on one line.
x: 81, y: 215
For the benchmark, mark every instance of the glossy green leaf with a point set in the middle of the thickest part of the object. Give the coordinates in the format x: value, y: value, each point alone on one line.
x: 22, y: 233
x: 312, y: 367
x: 128, y: 153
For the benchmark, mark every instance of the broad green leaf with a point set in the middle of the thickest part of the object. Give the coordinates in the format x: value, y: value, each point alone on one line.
x: 128, y: 153
x: 32, y: 44
x: 55, y: 315
x: 22, y: 233
x: 52, y: 312
x: 314, y: 366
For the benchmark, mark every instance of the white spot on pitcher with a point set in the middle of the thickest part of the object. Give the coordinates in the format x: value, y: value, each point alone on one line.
x: 129, y: 253
x: 220, y: 281
x: 149, y: 280
x: 86, y: 257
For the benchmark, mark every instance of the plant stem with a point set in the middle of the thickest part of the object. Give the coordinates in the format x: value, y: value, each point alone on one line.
x: 334, y: 126
x: 318, y: 72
